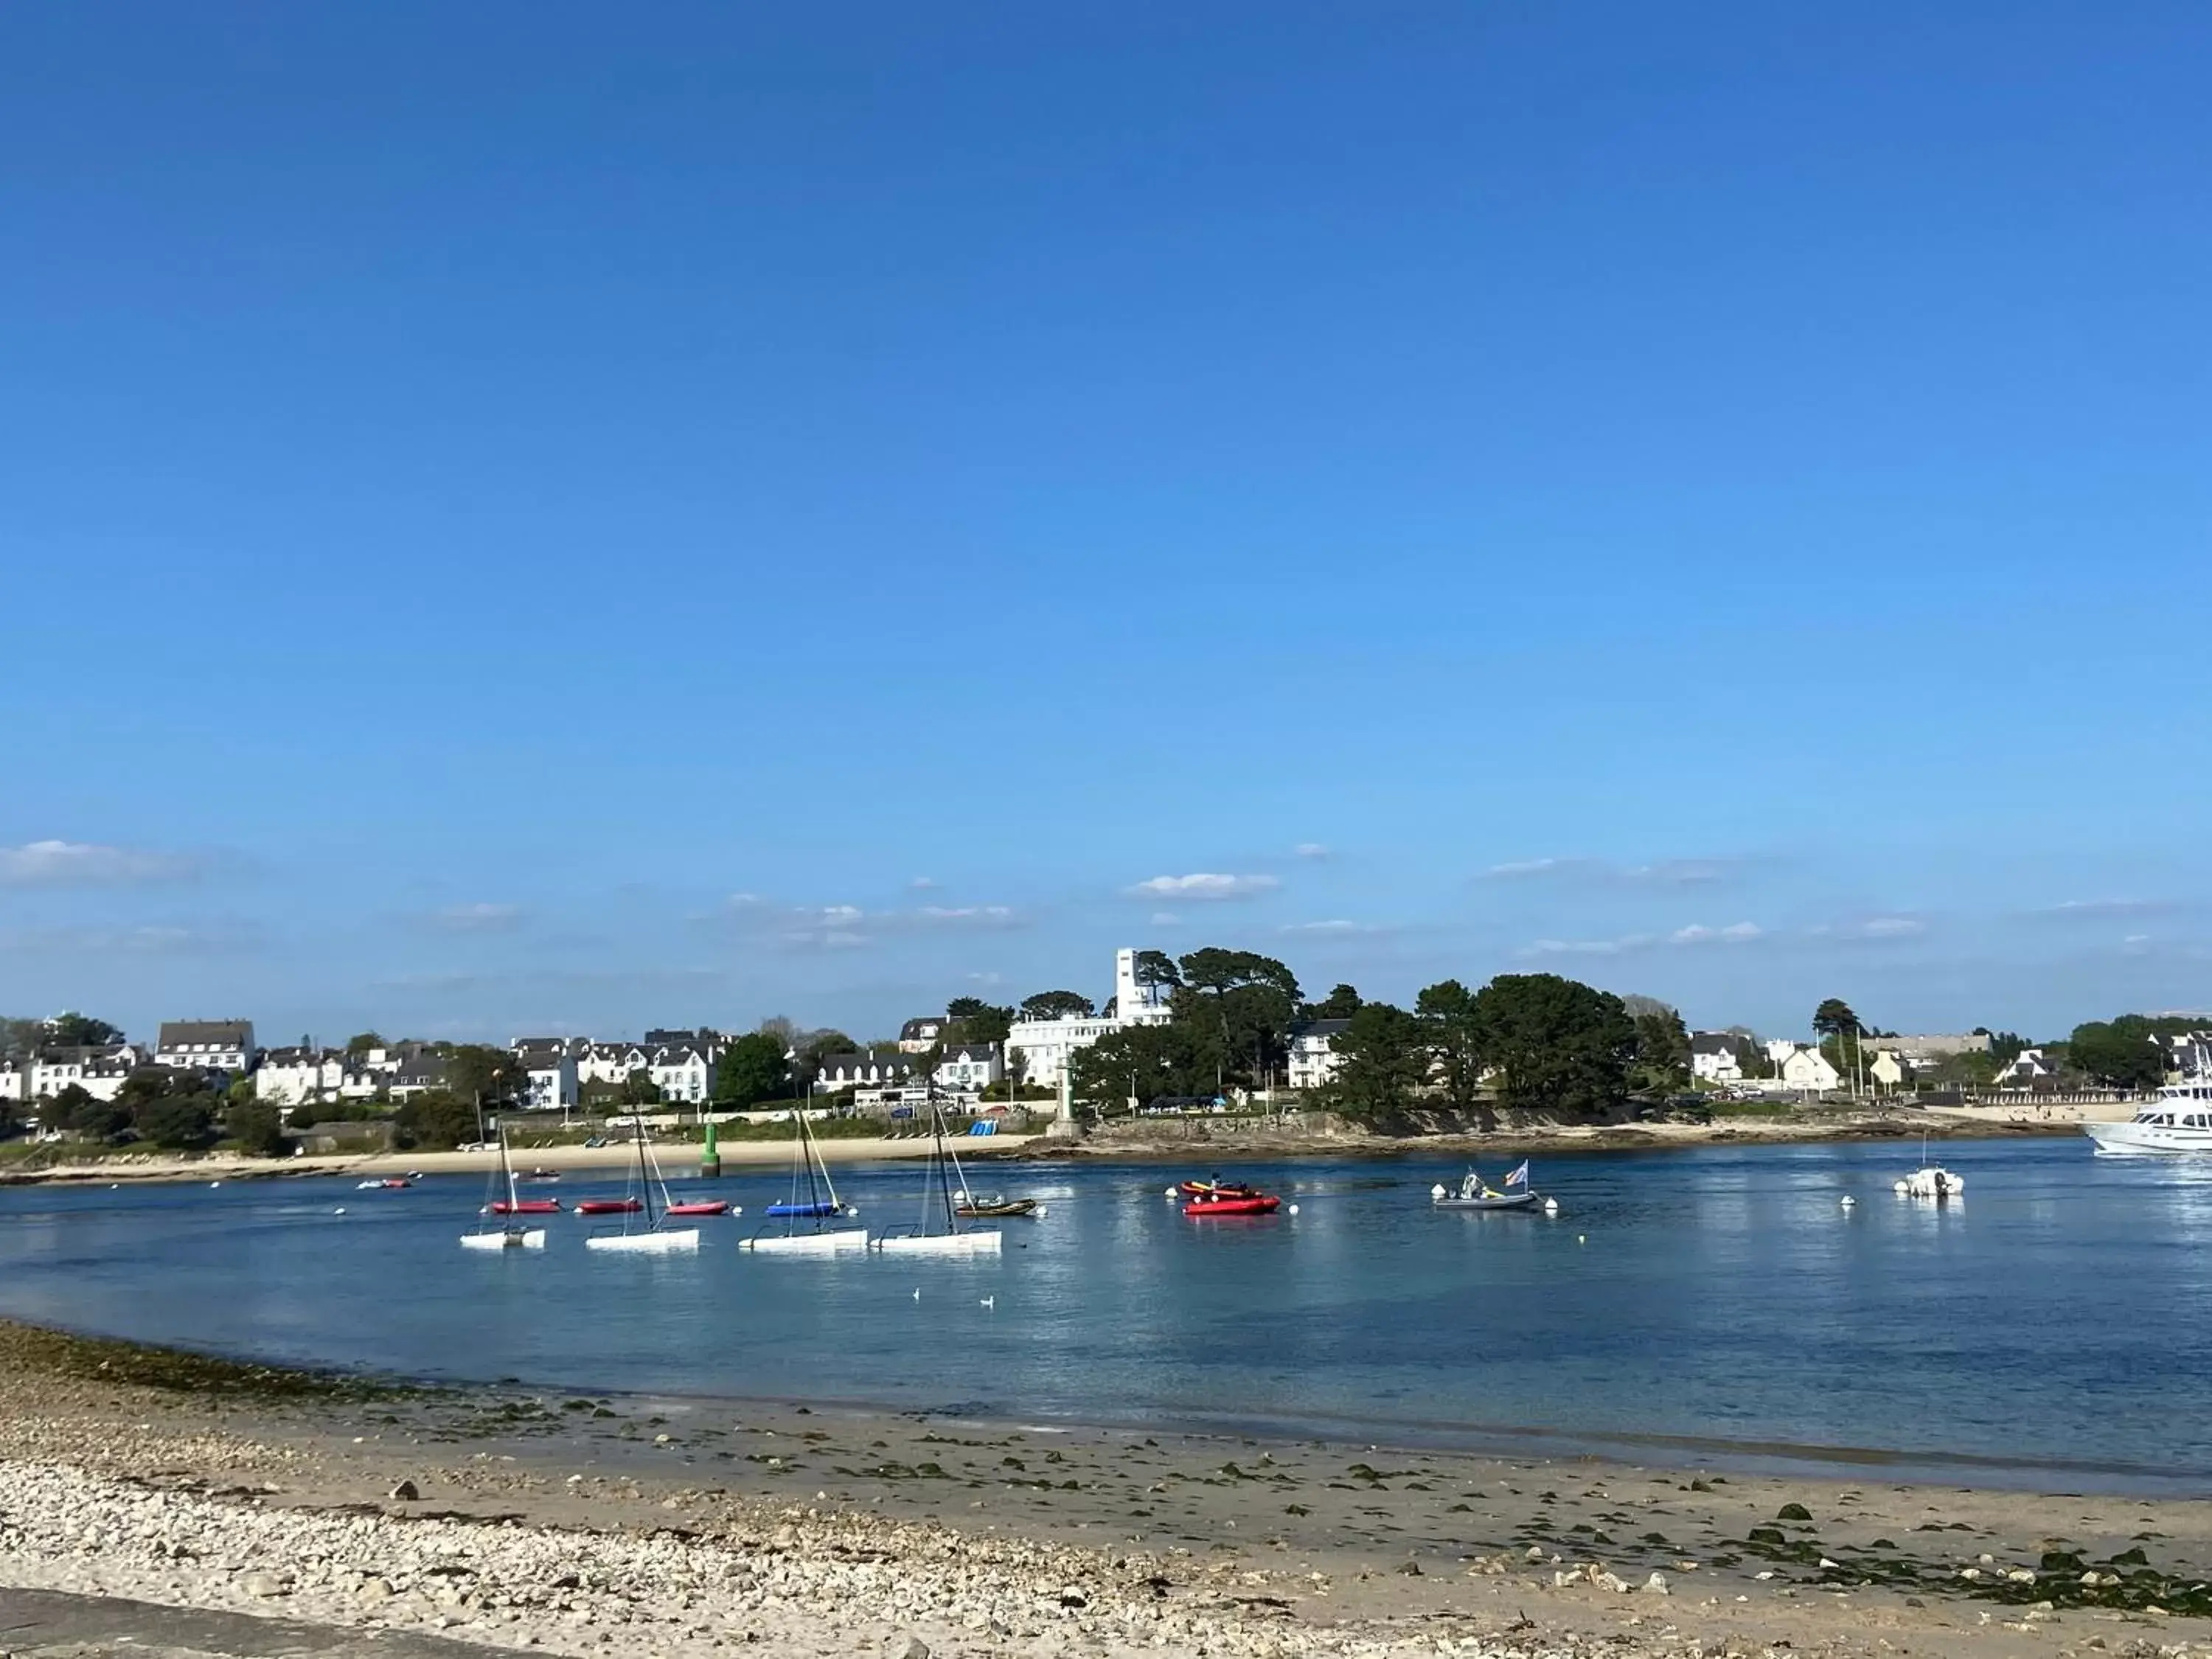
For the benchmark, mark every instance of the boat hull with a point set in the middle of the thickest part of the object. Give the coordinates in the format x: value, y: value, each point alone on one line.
x: 838, y: 1241
x: 817, y: 1212
x: 1260, y: 1204
x: 608, y: 1206
x: 1510, y: 1201
x: 1005, y: 1209
x: 980, y: 1243
x: 2147, y: 1140
x: 512, y: 1238
x: 705, y: 1206
x: 678, y: 1242
x: 527, y: 1206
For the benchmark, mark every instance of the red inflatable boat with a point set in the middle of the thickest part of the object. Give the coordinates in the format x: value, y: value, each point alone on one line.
x: 605, y: 1206
x: 525, y: 1206
x: 1245, y: 1203
x: 704, y: 1206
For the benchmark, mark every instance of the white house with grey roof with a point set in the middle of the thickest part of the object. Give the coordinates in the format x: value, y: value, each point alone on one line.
x: 1313, y: 1056
x: 968, y: 1068
x: 206, y: 1045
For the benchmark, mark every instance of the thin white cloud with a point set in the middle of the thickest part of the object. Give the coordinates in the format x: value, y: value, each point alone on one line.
x: 1166, y: 919
x: 2091, y: 909
x: 921, y: 884
x: 1310, y: 849
x: 1736, y: 932
x: 1891, y: 927
x: 1588, y: 947
x: 87, y: 864
x: 848, y: 926
x: 1336, y: 925
x: 1516, y: 868
x: 1662, y: 872
x: 1204, y: 887
x: 1871, y: 927
x: 483, y: 917
x: 150, y: 939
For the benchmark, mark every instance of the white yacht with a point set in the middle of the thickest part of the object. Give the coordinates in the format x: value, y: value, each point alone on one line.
x: 2179, y: 1121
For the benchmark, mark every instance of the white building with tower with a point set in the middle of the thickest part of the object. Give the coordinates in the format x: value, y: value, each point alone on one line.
x: 1037, y: 1050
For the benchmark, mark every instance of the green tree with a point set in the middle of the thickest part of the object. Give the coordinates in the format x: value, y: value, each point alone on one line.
x: 1558, y: 1045
x: 361, y: 1041
x: 1238, y: 1007
x: 752, y: 1069
x: 179, y: 1122
x: 1342, y: 1003
x: 639, y: 1089
x: 1057, y: 1005
x: 1454, y: 1034
x: 19, y: 1037
x: 74, y: 1030
x: 475, y: 1071
x: 1143, y: 1061
x: 2121, y: 1054
x: 1663, y: 1052
x: 1155, y: 970
x: 257, y: 1128
x: 971, y: 1019
x: 437, y: 1120
x: 1382, y: 1056
x: 1834, y: 1017
x: 74, y: 1109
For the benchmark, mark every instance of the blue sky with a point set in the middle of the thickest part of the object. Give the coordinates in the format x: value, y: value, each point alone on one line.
x: 535, y: 515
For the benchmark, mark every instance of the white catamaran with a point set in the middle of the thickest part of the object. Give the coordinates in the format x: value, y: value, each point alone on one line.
x: 940, y: 1207
x: 810, y: 1216
x: 657, y: 1237
x: 507, y: 1236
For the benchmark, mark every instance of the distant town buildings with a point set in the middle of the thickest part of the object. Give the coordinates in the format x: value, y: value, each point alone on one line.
x: 207, y: 1045
x: 1037, y: 1050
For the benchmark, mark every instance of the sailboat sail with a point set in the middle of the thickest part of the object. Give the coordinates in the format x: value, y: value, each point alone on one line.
x: 658, y: 1237
x: 938, y: 1204
x: 806, y: 1215
x: 508, y: 1236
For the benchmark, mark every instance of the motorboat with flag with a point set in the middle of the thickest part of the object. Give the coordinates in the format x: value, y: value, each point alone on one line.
x: 507, y: 1236
x: 810, y: 1215
x: 655, y: 1237
x: 941, y: 1230
x: 1476, y: 1194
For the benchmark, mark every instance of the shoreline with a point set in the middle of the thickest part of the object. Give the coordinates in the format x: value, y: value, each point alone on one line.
x: 497, y: 1517
x: 1218, y: 1139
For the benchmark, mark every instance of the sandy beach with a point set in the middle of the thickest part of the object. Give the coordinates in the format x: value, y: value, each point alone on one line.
x: 577, y: 1525
x: 1204, y: 1139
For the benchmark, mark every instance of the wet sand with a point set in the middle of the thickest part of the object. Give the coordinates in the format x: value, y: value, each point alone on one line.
x: 1191, y: 1543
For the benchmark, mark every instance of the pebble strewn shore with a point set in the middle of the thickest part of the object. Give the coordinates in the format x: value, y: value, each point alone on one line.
x: 839, y: 1583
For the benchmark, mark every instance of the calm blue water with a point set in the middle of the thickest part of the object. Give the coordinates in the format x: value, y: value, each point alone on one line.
x: 2058, y: 1322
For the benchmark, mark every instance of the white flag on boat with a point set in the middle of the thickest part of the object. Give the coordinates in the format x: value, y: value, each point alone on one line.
x: 1520, y: 1176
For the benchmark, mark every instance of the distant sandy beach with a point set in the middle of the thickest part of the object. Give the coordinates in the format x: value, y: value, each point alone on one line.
x: 1211, y: 1139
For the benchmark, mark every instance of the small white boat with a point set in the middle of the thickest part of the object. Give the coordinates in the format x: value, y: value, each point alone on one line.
x: 971, y: 1244
x: 657, y: 1236
x: 835, y: 1241
x: 1476, y: 1194
x: 1931, y: 1181
x: 667, y: 1242
x: 505, y: 1237
x: 2179, y: 1121
x: 939, y: 1206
